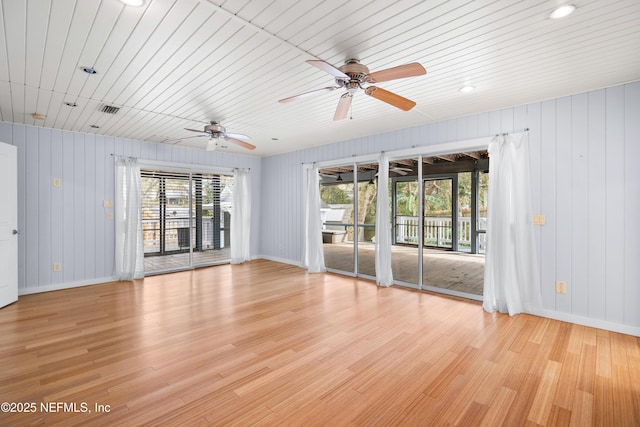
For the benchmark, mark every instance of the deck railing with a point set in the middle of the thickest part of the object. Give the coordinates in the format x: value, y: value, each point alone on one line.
x: 177, y: 234
x: 437, y: 231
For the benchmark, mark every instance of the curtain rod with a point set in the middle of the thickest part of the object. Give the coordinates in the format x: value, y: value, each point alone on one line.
x: 182, y: 165
x: 507, y: 133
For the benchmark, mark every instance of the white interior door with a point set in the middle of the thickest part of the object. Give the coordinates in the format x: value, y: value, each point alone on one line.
x: 8, y: 224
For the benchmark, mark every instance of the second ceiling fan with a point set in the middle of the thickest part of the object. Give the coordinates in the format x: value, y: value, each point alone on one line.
x: 353, y: 76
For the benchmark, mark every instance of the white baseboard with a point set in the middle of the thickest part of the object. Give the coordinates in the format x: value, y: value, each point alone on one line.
x: 593, y: 323
x: 68, y: 285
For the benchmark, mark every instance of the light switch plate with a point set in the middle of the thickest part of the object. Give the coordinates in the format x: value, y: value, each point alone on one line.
x: 107, y: 203
x: 57, y: 182
x: 57, y: 267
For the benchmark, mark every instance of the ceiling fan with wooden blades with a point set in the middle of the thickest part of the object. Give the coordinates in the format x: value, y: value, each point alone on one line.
x: 217, y: 134
x: 353, y: 76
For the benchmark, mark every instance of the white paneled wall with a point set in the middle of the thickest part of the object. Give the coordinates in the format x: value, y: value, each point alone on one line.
x: 585, y: 179
x: 68, y: 224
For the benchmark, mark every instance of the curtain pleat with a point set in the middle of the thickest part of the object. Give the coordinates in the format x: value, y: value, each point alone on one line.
x: 384, y: 274
x: 129, y: 256
x: 241, y: 218
x: 313, y: 258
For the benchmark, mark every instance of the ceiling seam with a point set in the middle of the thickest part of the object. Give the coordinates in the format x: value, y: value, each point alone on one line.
x: 257, y: 28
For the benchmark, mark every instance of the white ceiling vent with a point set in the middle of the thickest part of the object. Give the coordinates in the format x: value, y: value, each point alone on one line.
x: 109, y: 109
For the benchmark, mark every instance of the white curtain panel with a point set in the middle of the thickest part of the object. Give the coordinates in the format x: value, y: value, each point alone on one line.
x: 511, y: 278
x: 241, y: 217
x: 129, y: 257
x: 313, y: 257
x: 384, y: 274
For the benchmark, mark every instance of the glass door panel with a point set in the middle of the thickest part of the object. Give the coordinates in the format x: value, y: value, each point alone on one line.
x: 367, y: 199
x: 406, y: 225
x: 337, y: 213
x: 465, y: 191
x: 438, y: 213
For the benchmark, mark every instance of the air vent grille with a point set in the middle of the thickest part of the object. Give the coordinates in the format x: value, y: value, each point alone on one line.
x: 109, y: 109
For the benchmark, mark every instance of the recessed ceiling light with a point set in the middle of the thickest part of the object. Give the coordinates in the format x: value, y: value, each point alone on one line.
x: 134, y: 3
x: 467, y: 89
x: 70, y: 104
x: 89, y: 70
x: 562, y: 11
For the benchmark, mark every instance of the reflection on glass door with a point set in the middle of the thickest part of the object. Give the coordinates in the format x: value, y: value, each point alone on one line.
x: 438, y: 213
x: 337, y: 213
x: 406, y: 228
x: 367, y: 199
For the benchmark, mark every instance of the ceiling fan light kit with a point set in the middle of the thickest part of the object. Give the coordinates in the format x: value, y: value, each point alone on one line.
x: 354, y: 76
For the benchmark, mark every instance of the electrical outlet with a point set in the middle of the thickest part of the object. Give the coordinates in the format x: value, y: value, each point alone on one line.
x: 57, y: 267
x: 539, y: 219
x: 561, y: 287
x: 57, y: 182
x: 107, y: 203
x: 109, y: 216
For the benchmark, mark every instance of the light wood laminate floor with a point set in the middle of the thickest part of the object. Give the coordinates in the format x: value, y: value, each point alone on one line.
x: 264, y: 343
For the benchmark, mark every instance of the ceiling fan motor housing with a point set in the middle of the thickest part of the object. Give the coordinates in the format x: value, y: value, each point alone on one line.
x: 357, y: 75
x: 215, y: 129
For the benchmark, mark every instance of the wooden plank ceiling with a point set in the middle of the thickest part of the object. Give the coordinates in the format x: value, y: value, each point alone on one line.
x: 174, y: 64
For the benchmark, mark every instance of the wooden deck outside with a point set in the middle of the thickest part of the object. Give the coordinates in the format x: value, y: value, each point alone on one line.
x: 442, y: 269
x: 268, y: 344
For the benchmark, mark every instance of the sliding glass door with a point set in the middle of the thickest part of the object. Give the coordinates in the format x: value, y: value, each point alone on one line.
x: 186, y: 219
x: 438, y: 218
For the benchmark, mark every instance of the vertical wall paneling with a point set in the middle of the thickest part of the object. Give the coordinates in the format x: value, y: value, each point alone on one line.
x: 90, y: 206
x: 79, y: 206
x: 533, y: 123
x: 100, y: 213
x: 597, y: 203
x: 495, y: 122
x: 68, y: 221
x: 548, y: 183
x: 32, y: 262
x: 614, y: 176
x: 632, y: 204
x: 579, y: 290
x: 45, y: 266
x: 506, y: 120
x: 57, y: 207
x: 564, y: 213
x: 109, y: 193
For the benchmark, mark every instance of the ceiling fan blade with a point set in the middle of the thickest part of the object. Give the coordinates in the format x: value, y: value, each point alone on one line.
x: 237, y: 135
x: 328, y: 68
x: 399, y: 72
x: 343, y: 106
x: 390, y: 98
x: 241, y: 143
x: 196, y: 130
x: 307, y: 94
